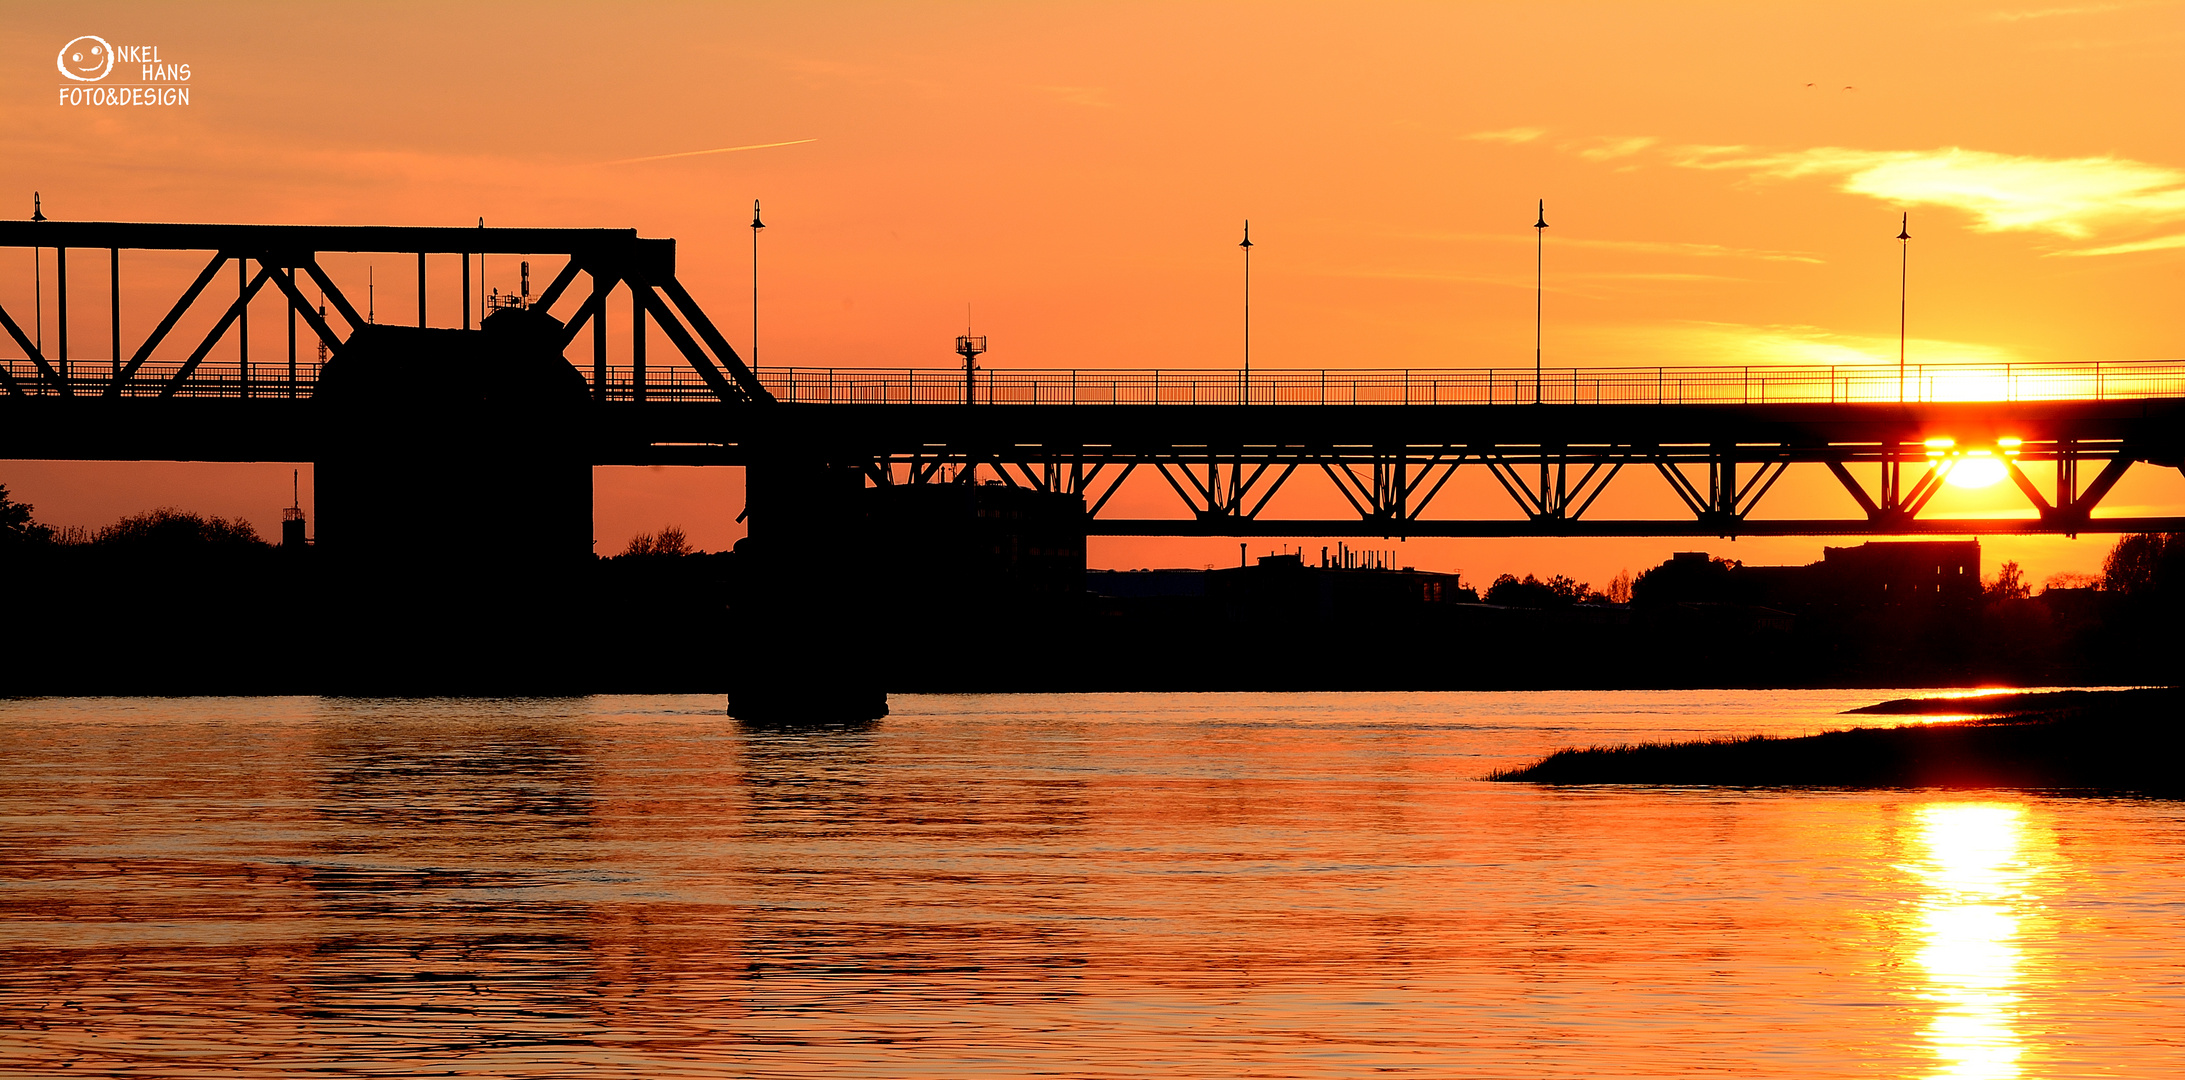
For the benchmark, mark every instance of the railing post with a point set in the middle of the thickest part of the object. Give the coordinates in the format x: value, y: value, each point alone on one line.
x: 60, y: 309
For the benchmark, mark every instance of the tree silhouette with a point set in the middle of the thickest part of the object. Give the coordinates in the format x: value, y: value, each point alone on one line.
x: 17, y: 529
x: 2145, y: 564
x: 1557, y: 591
x: 668, y: 541
x: 2010, y: 583
x: 168, y: 530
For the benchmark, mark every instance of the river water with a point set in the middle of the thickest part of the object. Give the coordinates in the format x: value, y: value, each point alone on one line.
x: 1078, y: 885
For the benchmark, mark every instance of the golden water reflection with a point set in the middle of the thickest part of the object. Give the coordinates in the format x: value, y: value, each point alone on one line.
x: 1976, y: 875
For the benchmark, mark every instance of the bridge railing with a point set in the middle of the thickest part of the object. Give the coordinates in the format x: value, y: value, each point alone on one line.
x: 91, y: 377
x: 1485, y: 386
x: 1694, y: 385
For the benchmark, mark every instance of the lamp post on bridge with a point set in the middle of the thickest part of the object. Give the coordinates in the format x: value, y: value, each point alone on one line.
x: 756, y: 225
x: 38, y: 277
x: 1540, y: 233
x: 1904, y: 281
x: 1247, y: 246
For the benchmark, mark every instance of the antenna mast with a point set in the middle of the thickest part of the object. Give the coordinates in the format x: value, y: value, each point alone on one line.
x: 969, y: 347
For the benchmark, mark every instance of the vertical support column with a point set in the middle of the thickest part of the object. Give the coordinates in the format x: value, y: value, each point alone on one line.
x: 291, y: 308
x: 60, y: 307
x: 113, y: 278
x: 637, y: 343
x: 1726, y: 501
x: 601, y: 286
x: 2067, y: 477
x: 420, y: 290
x: 466, y: 290
x: 242, y: 327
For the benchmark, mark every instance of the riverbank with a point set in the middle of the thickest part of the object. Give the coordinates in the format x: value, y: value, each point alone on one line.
x: 2117, y: 740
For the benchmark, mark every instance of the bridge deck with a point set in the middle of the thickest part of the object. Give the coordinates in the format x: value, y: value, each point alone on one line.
x: 1684, y: 385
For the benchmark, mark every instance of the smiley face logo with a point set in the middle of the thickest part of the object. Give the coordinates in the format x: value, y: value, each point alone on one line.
x: 86, y: 59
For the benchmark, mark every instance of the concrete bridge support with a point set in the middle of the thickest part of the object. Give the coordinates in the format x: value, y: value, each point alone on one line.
x: 455, y: 510
x: 804, y: 618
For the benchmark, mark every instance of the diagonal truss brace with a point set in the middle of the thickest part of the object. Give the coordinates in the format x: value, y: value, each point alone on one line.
x: 1227, y: 492
x: 2072, y: 507
x: 1725, y: 501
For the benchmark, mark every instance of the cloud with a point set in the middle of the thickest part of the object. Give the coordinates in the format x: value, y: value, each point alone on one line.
x: 1608, y: 149
x: 701, y: 153
x: 2159, y: 243
x: 1652, y: 247
x: 1509, y: 135
x: 2054, y: 12
x: 1719, y: 343
x: 2072, y: 197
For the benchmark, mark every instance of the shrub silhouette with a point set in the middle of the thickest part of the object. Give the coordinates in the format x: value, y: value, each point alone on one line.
x: 668, y: 541
x: 1557, y: 591
x: 171, y: 531
x: 16, y: 526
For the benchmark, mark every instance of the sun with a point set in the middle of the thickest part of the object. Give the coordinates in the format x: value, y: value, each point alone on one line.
x: 1978, y: 469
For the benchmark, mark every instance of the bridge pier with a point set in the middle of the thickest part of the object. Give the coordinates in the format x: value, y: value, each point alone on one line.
x: 455, y: 510
x: 804, y: 614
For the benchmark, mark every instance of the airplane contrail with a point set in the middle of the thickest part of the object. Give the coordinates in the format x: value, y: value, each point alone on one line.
x: 699, y: 153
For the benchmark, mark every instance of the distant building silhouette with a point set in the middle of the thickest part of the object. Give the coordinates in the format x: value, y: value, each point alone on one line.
x: 1926, y: 575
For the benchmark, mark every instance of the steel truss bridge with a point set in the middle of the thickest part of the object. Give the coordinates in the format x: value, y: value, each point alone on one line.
x: 190, y: 382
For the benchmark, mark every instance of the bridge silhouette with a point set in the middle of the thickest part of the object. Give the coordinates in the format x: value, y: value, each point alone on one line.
x: 492, y: 385
x: 1387, y: 440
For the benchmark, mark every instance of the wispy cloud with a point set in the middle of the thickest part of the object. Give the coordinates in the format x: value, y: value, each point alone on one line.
x: 1608, y: 149
x: 1737, y: 343
x: 2056, y: 12
x: 2076, y: 198
x: 1573, y: 283
x: 1509, y: 135
x: 2072, y: 197
x: 702, y: 153
x: 2159, y: 243
x: 1654, y: 247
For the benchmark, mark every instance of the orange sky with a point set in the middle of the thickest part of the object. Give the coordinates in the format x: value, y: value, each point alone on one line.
x: 1723, y: 182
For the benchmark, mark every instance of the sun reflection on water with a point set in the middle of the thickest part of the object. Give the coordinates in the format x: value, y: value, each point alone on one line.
x: 1975, y: 877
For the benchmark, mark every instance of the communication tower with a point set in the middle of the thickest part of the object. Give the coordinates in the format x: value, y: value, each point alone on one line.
x: 969, y: 347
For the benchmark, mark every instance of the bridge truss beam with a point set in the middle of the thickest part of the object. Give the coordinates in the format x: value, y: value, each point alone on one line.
x: 1885, y: 459
x: 644, y: 269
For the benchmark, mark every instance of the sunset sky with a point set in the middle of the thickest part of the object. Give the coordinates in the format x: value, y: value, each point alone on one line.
x: 1723, y: 185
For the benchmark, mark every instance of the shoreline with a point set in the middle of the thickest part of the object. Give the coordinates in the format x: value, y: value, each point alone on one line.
x: 2123, y: 740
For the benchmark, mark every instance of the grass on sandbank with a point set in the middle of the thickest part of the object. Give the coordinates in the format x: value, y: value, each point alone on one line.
x: 2122, y: 740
